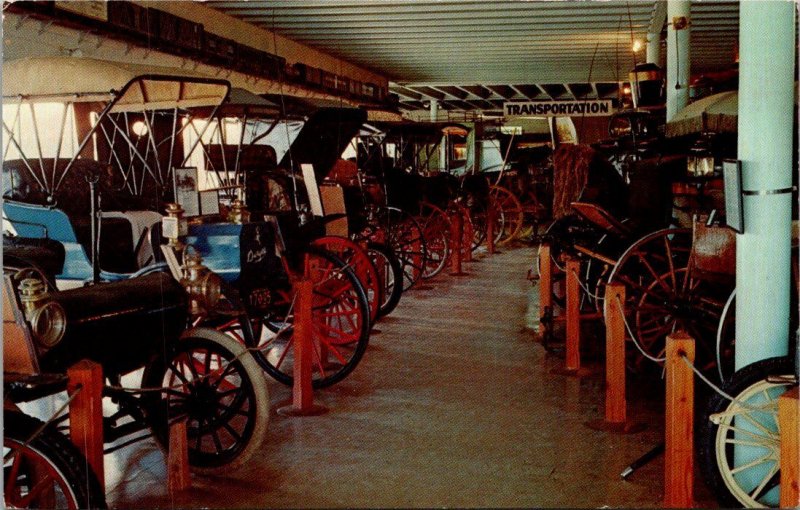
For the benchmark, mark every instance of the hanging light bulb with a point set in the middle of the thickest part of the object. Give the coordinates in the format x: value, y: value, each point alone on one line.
x: 637, y: 45
x: 139, y: 128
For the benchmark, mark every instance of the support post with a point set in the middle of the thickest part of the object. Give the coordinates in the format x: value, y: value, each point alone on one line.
x: 765, y: 126
x: 678, y: 63
x: 86, y: 413
x: 573, y: 341
x: 679, y: 427
x: 178, y: 458
x: 788, y: 411
x: 302, y: 403
x: 545, y: 283
x: 456, y: 231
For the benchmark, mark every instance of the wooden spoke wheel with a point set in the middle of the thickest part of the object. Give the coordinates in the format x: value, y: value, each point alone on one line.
x: 436, y: 229
x: 467, y: 229
x: 513, y: 213
x: 339, y: 324
x: 359, y: 260
x: 663, y: 296
x: 404, y: 235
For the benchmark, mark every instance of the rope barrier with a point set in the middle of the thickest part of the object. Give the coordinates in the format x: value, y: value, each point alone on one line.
x: 586, y: 289
x: 633, y: 337
x: 722, y: 393
x: 44, y: 425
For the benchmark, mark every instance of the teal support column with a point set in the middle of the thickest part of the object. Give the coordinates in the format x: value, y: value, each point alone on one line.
x: 653, y: 48
x: 678, y: 67
x: 434, y: 110
x: 766, y: 104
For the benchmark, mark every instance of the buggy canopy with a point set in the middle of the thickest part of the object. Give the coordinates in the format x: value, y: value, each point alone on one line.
x: 132, y: 87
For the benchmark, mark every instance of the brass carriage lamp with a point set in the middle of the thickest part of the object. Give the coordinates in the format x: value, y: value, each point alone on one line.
x: 238, y: 213
x: 174, y: 226
x: 202, y: 285
x: 47, y: 318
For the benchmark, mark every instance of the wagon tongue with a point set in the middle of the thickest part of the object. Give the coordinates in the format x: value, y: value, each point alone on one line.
x: 323, y: 138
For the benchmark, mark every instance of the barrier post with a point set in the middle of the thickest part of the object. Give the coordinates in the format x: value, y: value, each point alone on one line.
x: 545, y: 284
x: 490, y: 216
x: 456, y: 231
x: 679, y: 427
x: 178, y: 458
x: 467, y: 234
x: 788, y: 410
x: 86, y: 413
x: 616, y: 413
x: 302, y: 403
x: 573, y: 341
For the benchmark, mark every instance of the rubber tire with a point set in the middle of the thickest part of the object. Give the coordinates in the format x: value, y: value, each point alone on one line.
x: 737, y: 385
x: 62, y: 455
x: 391, y: 298
x: 253, y: 377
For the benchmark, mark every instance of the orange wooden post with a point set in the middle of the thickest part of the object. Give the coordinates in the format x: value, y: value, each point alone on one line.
x: 416, y: 258
x: 573, y: 341
x: 788, y: 411
x: 545, y: 283
x: 490, y: 216
x: 616, y: 413
x: 86, y: 413
x: 679, y: 428
x: 456, y: 231
x: 178, y: 458
x: 616, y: 406
x: 302, y: 390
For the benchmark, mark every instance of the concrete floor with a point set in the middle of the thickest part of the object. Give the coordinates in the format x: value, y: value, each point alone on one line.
x: 453, y: 405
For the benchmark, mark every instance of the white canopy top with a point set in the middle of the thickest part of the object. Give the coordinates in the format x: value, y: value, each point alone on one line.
x: 134, y: 87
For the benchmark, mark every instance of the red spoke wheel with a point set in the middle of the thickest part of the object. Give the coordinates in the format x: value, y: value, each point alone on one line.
x: 340, y: 324
x: 390, y: 275
x: 46, y: 470
x: 513, y: 213
x: 467, y: 229
x: 435, y: 226
x: 359, y: 260
x: 404, y: 235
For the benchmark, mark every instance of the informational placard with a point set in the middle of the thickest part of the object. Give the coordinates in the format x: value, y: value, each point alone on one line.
x: 587, y: 108
x: 314, y: 199
x: 186, y: 191
x: 732, y: 175
x: 209, y: 202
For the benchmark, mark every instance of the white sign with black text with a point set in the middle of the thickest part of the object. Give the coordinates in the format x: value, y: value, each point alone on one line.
x: 589, y: 108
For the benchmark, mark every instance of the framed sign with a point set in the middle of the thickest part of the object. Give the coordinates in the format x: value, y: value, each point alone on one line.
x: 209, y: 202
x: 186, y: 191
x: 732, y: 175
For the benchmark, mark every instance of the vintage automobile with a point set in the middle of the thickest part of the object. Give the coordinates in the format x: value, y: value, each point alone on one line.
x: 102, y: 190
x: 136, y: 328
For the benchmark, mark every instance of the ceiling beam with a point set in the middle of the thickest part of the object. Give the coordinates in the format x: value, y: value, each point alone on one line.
x: 478, y: 90
x: 405, y: 92
x: 503, y: 91
x: 569, y: 91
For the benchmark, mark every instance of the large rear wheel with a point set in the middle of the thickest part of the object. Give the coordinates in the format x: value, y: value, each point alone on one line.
x: 43, y: 469
x: 213, y: 382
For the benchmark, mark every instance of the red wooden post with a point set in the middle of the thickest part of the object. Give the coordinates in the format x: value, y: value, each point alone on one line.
x: 679, y: 429
x: 456, y: 231
x: 178, y: 458
x: 467, y: 235
x: 573, y: 347
x: 490, y: 217
x: 302, y: 390
x: 545, y: 283
x: 788, y: 411
x: 86, y: 413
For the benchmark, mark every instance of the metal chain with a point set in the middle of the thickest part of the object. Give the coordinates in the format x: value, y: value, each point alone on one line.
x: 633, y: 337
